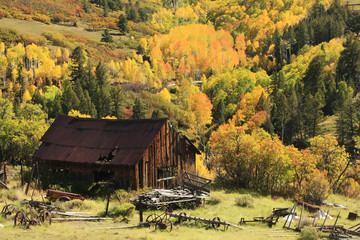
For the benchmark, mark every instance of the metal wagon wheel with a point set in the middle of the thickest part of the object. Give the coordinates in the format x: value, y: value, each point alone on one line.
x: 45, y: 216
x: 182, y: 217
x: 20, y: 218
x: 216, y: 224
x: 9, y: 209
x: 164, y: 225
x: 153, y: 218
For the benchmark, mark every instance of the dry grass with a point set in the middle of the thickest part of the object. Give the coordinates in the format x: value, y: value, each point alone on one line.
x: 37, y: 28
x: 226, y: 210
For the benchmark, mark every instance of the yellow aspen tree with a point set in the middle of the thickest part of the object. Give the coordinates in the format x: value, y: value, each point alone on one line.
x: 164, y: 95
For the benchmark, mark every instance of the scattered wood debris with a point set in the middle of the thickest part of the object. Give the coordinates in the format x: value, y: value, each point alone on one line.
x: 81, y: 219
x: 170, y: 197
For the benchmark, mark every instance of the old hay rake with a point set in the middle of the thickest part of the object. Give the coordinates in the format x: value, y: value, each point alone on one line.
x: 163, y: 221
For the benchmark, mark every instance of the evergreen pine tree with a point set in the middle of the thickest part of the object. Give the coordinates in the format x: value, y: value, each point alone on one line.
x: 313, y: 114
x: 106, y: 37
x: 133, y: 15
x: 101, y: 75
x: 69, y: 100
x: 86, y: 6
x: 143, y: 15
x: 156, y: 113
x: 78, y: 65
x: 348, y: 68
x: 103, y: 105
x: 117, y: 95
x: 279, y: 49
x: 106, y: 8
x: 219, y: 113
x: 123, y: 24
x: 54, y: 107
x: 138, y: 110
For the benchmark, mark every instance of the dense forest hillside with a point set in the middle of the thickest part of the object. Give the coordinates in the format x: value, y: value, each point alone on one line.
x: 268, y: 90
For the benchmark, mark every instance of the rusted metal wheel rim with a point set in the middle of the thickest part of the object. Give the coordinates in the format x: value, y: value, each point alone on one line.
x: 20, y: 219
x: 9, y: 209
x: 216, y: 225
x: 165, y: 225
x: 153, y: 219
x: 45, y: 216
x: 182, y: 216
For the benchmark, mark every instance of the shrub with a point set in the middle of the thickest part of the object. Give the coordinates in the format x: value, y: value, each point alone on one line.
x: 213, y: 201
x: 59, y: 17
x: 118, y: 211
x: 309, y: 233
x: 41, y: 18
x: 58, y: 39
x: 245, y: 200
x: 317, y: 189
x: 73, y: 204
x: 8, y: 195
x: 306, y: 222
x: 28, y: 38
x: 9, y: 35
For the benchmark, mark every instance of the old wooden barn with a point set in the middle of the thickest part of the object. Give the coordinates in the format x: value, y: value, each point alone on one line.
x: 131, y: 153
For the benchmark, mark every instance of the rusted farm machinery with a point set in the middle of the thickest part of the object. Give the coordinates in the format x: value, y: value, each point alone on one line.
x: 270, y: 220
x: 62, y: 196
x: 160, y: 221
x: 163, y: 221
x: 9, y: 209
x: 31, y: 213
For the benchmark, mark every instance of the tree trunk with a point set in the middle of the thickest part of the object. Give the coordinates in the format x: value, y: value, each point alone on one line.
x: 336, y: 186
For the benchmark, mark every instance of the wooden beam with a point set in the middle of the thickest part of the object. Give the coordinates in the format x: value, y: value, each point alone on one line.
x: 3, y: 184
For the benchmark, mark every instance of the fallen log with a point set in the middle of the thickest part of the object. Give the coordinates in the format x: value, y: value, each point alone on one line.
x: 73, y: 214
x: 4, y: 185
x: 80, y: 219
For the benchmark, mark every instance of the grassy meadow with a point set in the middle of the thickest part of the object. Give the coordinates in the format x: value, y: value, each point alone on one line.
x: 222, y: 204
x: 37, y: 28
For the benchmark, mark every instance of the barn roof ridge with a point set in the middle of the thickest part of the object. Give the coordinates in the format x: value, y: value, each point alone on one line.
x: 75, y: 139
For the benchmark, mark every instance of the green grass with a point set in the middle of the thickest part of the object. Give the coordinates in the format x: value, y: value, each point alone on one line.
x: 225, y: 208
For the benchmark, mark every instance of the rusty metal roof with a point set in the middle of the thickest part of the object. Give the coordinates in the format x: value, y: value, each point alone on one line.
x: 85, y: 140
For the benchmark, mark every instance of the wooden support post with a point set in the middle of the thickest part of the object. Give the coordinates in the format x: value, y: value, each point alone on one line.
x: 314, y: 221
x: 327, y: 214
x: 141, y: 209
x: 292, y: 218
x: 334, y: 227
x: 299, y: 226
x: 107, y: 204
x: 31, y: 176
x: 38, y: 176
x: 293, y: 209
